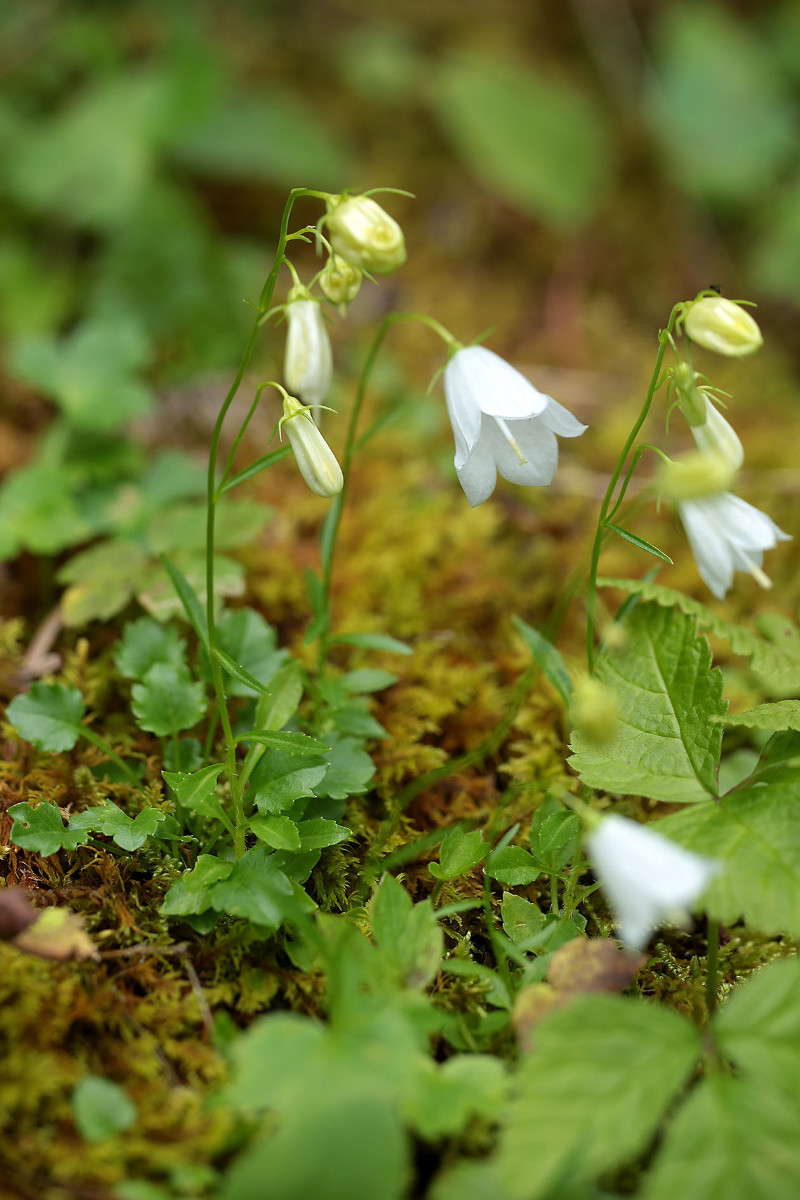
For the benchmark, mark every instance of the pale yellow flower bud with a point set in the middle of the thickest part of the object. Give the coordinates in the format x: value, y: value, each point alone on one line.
x: 594, y: 710
x: 695, y: 477
x: 340, y: 281
x: 315, y: 459
x: 722, y: 326
x: 362, y: 233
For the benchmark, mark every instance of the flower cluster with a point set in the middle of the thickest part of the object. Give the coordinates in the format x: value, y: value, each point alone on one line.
x: 726, y: 533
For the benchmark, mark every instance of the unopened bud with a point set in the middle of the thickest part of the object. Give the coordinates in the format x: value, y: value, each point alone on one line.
x: 308, y: 361
x: 594, y: 710
x: 722, y: 326
x: 696, y: 476
x: 691, y: 400
x: 315, y: 459
x: 362, y: 233
x: 340, y: 281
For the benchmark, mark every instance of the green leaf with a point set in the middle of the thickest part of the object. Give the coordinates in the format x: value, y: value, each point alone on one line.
x: 724, y: 113
x: 144, y: 643
x: 193, y: 791
x: 271, y: 137
x: 91, y: 373
x: 41, y: 829
x: 640, y: 542
x: 593, y: 1092
x: 758, y: 1028
x: 238, y: 673
x: 512, y: 865
x: 667, y: 745
x: 257, y: 890
x: 191, y: 893
x: 769, y: 657
x: 756, y: 834
x: 255, y: 468
x: 288, y: 742
x: 190, y: 601
x: 39, y: 511
x: 246, y: 638
x: 536, y: 140
x: 101, y: 1109
x: 545, y: 655
x: 281, y: 791
x: 318, y: 833
x: 368, y: 679
x: 554, y: 840
x: 278, y: 832
x: 109, y: 819
x: 729, y: 1139
x: 409, y: 934
x: 780, y: 714
x: 372, y: 641
x: 49, y: 716
x: 102, y: 579
x: 450, y: 1093
x: 350, y: 769
x: 282, y: 699
x: 521, y: 919
x: 168, y: 700
x: 459, y: 853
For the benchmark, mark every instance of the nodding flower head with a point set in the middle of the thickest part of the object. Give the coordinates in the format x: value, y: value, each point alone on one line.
x: 501, y: 423
x: 722, y: 326
x: 363, y: 233
x: 315, y: 459
x: 340, y: 282
x: 308, y: 360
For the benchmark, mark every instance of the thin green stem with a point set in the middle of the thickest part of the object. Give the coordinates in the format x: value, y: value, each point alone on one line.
x: 331, y: 527
x: 663, y: 340
x: 103, y: 745
x: 264, y: 301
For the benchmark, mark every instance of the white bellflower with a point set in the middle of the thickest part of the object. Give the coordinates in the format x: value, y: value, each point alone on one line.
x: 308, y: 361
x: 647, y: 878
x: 727, y: 534
x: 501, y: 422
x: 717, y: 436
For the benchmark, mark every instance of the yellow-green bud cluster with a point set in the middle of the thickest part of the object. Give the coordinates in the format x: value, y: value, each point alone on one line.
x: 364, y: 234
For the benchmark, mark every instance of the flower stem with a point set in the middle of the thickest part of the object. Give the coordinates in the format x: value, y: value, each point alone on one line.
x: 211, y: 506
x: 664, y: 337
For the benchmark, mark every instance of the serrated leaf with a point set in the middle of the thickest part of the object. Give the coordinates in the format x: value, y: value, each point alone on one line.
x: 281, y: 791
x: 42, y: 829
x: 767, y: 658
x: 555, y: 838
x: 319, y: 832
x: 512, y: 865
x: 729, y: 1139
x: 129, y: 834
x: 49, y: 716
x: 144, y: 643
x: 640, y: 542
x: 593, y: 1092
x: 168, y: 700
x: 758, y: 1028
x: 756, y: 835
x: 257, y: 890
x: 408, y: 934
x: 459, y: 853
x: 667, y: 745
x: 191, y: 893
x: 546, y: 656
x: 195, y: 789
x: 779, y: 715
x: 350, y: 769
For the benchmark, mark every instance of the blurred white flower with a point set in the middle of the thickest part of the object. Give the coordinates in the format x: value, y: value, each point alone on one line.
x: 647, y: 878
x: 308, y: 361
x: 717, y: 436
x: 315, y: 459
x: 727, y: 534
x: 501, y: 423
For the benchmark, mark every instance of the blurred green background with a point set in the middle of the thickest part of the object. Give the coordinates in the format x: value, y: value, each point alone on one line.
x: 578, y: 168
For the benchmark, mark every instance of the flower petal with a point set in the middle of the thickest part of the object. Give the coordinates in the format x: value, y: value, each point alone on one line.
x: 463, y: 396
x: 501, y: 390
x: 538, y: 446
x: 478, y: 474
x: 560, y: 420
x: 710, y: 549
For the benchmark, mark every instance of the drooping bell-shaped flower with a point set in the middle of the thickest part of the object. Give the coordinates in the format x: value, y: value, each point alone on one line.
x: 308, y: 359
x: 727, y: 534
x: 501, y: 423
x: 723, y: 326
x: 315, y: 459
x: 364, y: 234
x: 647, y: 878
x: 716, y: 436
